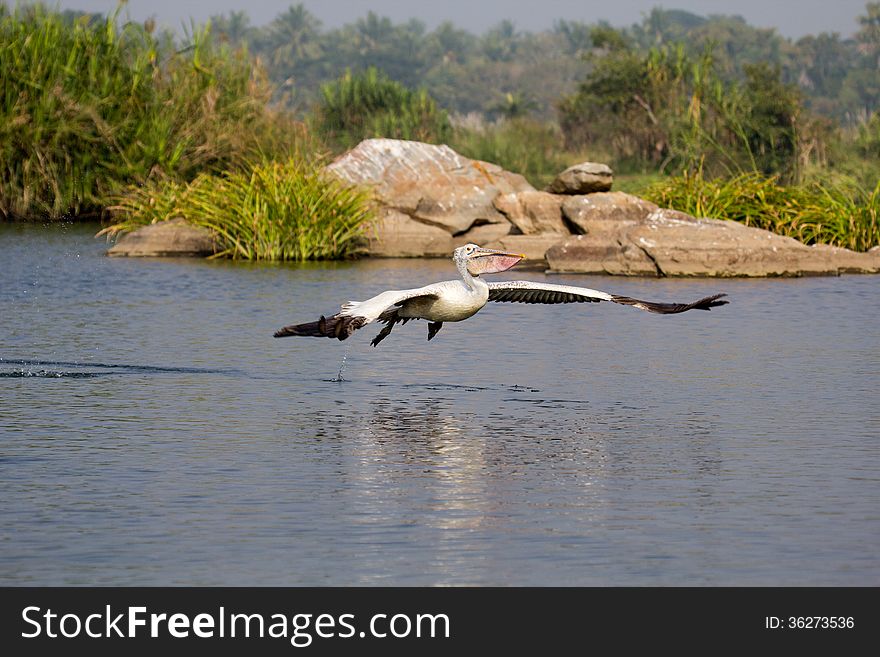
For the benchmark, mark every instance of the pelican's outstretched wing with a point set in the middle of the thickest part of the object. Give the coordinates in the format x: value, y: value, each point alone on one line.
x: 356, y: 314
x: 532, y: 292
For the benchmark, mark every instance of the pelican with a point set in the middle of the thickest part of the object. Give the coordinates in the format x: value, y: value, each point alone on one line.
x: 454, y: 301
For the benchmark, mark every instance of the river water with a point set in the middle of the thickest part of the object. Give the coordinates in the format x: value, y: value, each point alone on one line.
x: 153, y: 432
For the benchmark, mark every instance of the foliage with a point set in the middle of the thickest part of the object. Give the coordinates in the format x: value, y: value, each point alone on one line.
x: 88, y: 105
x: 666, y: 108
x: 468, y: 73
x: 274, y: 211
x: 525, y: 146
x: 369, y: 104
x: 839, y: 214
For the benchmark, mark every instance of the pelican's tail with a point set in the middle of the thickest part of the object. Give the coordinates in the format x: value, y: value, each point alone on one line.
x: 706, y: 303
x: 337, y: 326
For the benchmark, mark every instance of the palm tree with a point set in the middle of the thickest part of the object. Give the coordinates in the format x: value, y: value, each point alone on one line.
x: 294, y: 37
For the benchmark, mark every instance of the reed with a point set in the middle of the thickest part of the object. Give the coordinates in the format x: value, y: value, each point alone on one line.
x: 524, y: 146
x: 274, y: 211
x: 370, y: 104
x: 89, y: 106
x: 836, y: 213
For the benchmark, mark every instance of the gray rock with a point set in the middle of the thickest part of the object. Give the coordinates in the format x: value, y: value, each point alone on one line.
x: 483, y: 234
x: 590, y: 211
x: 583, y: 178
x: 174, y: 237
x: 670, y: 243
x: 431, y: 184
x: 533, y: 212
x: 397, y: 235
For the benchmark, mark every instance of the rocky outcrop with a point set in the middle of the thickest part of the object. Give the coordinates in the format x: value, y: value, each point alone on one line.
x: 670, y: 243
x: 431, y: 200
x: 583, y: 178
x: 430, y: 185
x: 174, y: 237
x: 396, y: 235
x: 590, y: 212
x: 533, y: 213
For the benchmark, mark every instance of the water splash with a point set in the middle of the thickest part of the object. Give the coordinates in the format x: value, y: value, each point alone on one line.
x: 339, y: 378
x: 81, y: 370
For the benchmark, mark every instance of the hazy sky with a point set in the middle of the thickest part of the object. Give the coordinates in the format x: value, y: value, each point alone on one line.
x: 792, y: 18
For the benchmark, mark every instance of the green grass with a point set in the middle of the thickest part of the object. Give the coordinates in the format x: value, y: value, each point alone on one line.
x: 369, y: 104
x: 275, y: 211
x: 838, y: 213
x: 89, y: 106
x: 524, y: 146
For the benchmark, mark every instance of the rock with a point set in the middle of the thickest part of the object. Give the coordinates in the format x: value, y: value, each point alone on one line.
x: 670, y: 243
x: 597, y: 254
x: 583, y: 212
x: 174, y: 237
x: 431, y: 184
x: 534, y: 247
x: 483, y: 234
x: 583, y: 178
x: 533, y: 212
x: 851, y: 262
x: 397, y: 235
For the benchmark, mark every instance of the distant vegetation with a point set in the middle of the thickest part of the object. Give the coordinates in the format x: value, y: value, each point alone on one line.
x: 708, y: 115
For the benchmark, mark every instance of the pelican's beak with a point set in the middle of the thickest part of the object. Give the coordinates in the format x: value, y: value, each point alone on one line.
x: 492, y: 261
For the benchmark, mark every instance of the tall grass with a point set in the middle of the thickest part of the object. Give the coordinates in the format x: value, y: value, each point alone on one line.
x: 275, y: 211
x: 524, y: 146
x: 839, y: 214
x: 370, y: 104
x: 88, y: 106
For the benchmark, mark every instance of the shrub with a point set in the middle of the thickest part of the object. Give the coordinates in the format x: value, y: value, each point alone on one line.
x: 275, y: 211
x: 369, y: 104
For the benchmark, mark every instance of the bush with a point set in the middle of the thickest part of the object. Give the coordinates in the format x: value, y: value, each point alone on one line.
x: 275, y: 211
x: 369, y: 104
x: 665, y: 109
x: 88, y: 106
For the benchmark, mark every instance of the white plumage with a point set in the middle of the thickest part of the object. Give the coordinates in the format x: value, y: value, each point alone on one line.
x: 454, y: 301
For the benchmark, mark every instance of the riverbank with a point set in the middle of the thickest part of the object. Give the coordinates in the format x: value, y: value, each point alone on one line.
x: 101, y: 118
x: 429, y: 200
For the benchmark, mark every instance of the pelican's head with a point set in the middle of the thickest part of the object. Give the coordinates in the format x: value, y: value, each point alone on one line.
x: 478, y: 260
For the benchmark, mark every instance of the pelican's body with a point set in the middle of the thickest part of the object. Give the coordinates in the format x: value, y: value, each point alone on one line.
x: 447, y: 301
x: 454, y: 301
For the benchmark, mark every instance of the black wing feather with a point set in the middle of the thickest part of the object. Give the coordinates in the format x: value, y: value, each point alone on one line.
x: 337, y: 326
x: 706, y: 303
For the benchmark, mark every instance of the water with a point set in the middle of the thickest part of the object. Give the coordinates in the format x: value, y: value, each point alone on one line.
x: 153, y: 432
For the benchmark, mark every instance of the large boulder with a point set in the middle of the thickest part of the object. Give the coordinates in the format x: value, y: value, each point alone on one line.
x: 592, y: 211
x: 583, y: 178
x: 670, y: 243
x: 174, y: 237
x: 396, y: 235
x: 533, y: 212
x: 431, y: 185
